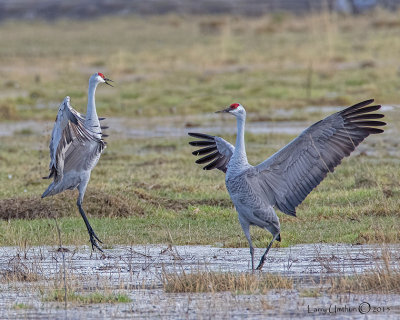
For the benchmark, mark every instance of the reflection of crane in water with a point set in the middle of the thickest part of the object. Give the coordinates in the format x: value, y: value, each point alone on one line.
x: 75, y: 147
x: 288, y: 176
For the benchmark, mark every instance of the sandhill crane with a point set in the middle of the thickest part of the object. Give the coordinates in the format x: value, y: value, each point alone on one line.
x: 75, y: 147
x: 288, y: 176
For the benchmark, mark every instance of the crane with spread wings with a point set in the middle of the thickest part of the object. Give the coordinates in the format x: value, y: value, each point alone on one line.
x: 285, y: 179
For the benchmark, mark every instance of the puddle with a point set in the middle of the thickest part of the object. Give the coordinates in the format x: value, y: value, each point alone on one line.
x: 216, y: 128
x: 138, y: 271
x: 152, y: 128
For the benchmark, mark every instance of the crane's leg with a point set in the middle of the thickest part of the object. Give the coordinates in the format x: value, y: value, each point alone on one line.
x: 261, y: 264
x: 252, y: 256
x: 92, y: 235
x: 246, y: 230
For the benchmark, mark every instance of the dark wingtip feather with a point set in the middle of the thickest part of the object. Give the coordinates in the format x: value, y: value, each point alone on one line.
x: 364, y: 110
x: 207, y: 158
x: 357, y: 106
x: 366, y: 116
x: 214, y: 164
x: 200, y: 135
x: 369, y: 123
x: 201, y: 143
x: 374, y: 130
x: 205, y: 150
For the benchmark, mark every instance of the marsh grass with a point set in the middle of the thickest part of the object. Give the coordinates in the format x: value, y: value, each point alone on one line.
x: 208, y: 281
x: 383, y: 279
x: 310, y: 293
x: 58, y: 295
x: 22, y: 306
x: 20, y: 270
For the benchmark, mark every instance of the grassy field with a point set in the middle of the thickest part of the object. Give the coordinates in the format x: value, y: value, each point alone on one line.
x: 185, y: 65
x: 149, y: 190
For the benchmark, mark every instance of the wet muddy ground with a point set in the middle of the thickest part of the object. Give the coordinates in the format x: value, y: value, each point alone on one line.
x: 138, y: 272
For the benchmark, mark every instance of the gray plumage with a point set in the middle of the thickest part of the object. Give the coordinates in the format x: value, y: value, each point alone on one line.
x: 288, y: 176
x: 75, y: 148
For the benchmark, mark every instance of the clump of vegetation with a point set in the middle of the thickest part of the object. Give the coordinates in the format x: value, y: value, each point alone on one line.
x: 58, y: 295
x: 22, y: 306
x: 310, y: 293
x: 8, y: 111
x: 382, y: 279
x: 206, y: 281
x: 20, y: 271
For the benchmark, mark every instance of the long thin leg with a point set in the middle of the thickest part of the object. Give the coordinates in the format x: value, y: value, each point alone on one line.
x: 246, y: 230
x: 261, y: 264
x: 252, y: 256
x: 92, y: 235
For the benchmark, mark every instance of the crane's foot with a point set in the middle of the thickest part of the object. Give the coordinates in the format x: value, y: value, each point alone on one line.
x: 93, y: 239
x: 260, y: 265
x: 264, y: 256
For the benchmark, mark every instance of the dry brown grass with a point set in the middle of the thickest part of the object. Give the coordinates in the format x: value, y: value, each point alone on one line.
x: 18, y: 270
x: 97, y: 203
x: 101, y: 204
x: 382, y: 279
x: 377, y: 236
x: 8, y: 111
x: 206, y: 281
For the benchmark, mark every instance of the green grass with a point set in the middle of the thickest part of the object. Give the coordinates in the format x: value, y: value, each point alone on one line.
x: 138, y: 196
x: 195, y: 64
x: 58, y: 295
x: 237, y: 283
x: 22, y: 306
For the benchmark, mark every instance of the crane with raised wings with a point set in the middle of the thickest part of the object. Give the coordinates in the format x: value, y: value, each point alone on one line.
x: 75, y: 148
x: 284, y: 179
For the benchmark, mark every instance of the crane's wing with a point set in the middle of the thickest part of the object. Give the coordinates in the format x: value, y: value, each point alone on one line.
x: 215, y: 149
x: 68, y: 127
x: 295, y: 170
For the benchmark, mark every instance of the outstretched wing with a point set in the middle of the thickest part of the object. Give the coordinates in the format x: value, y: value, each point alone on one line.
x: 68, y: 127
x: 217, y: 151
x: 295, y: 170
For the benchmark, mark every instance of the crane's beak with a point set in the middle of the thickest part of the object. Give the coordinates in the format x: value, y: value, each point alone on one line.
x: 107, y: 82
x: 224, y: 110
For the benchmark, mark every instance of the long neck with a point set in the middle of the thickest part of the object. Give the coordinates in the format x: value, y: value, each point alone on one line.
x: 239, y: 155
x: 92, y: 120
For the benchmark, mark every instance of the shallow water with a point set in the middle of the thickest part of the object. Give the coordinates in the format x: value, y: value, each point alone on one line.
x: 179, y: 126
x: 151, y: 128
x: 138, y: 271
